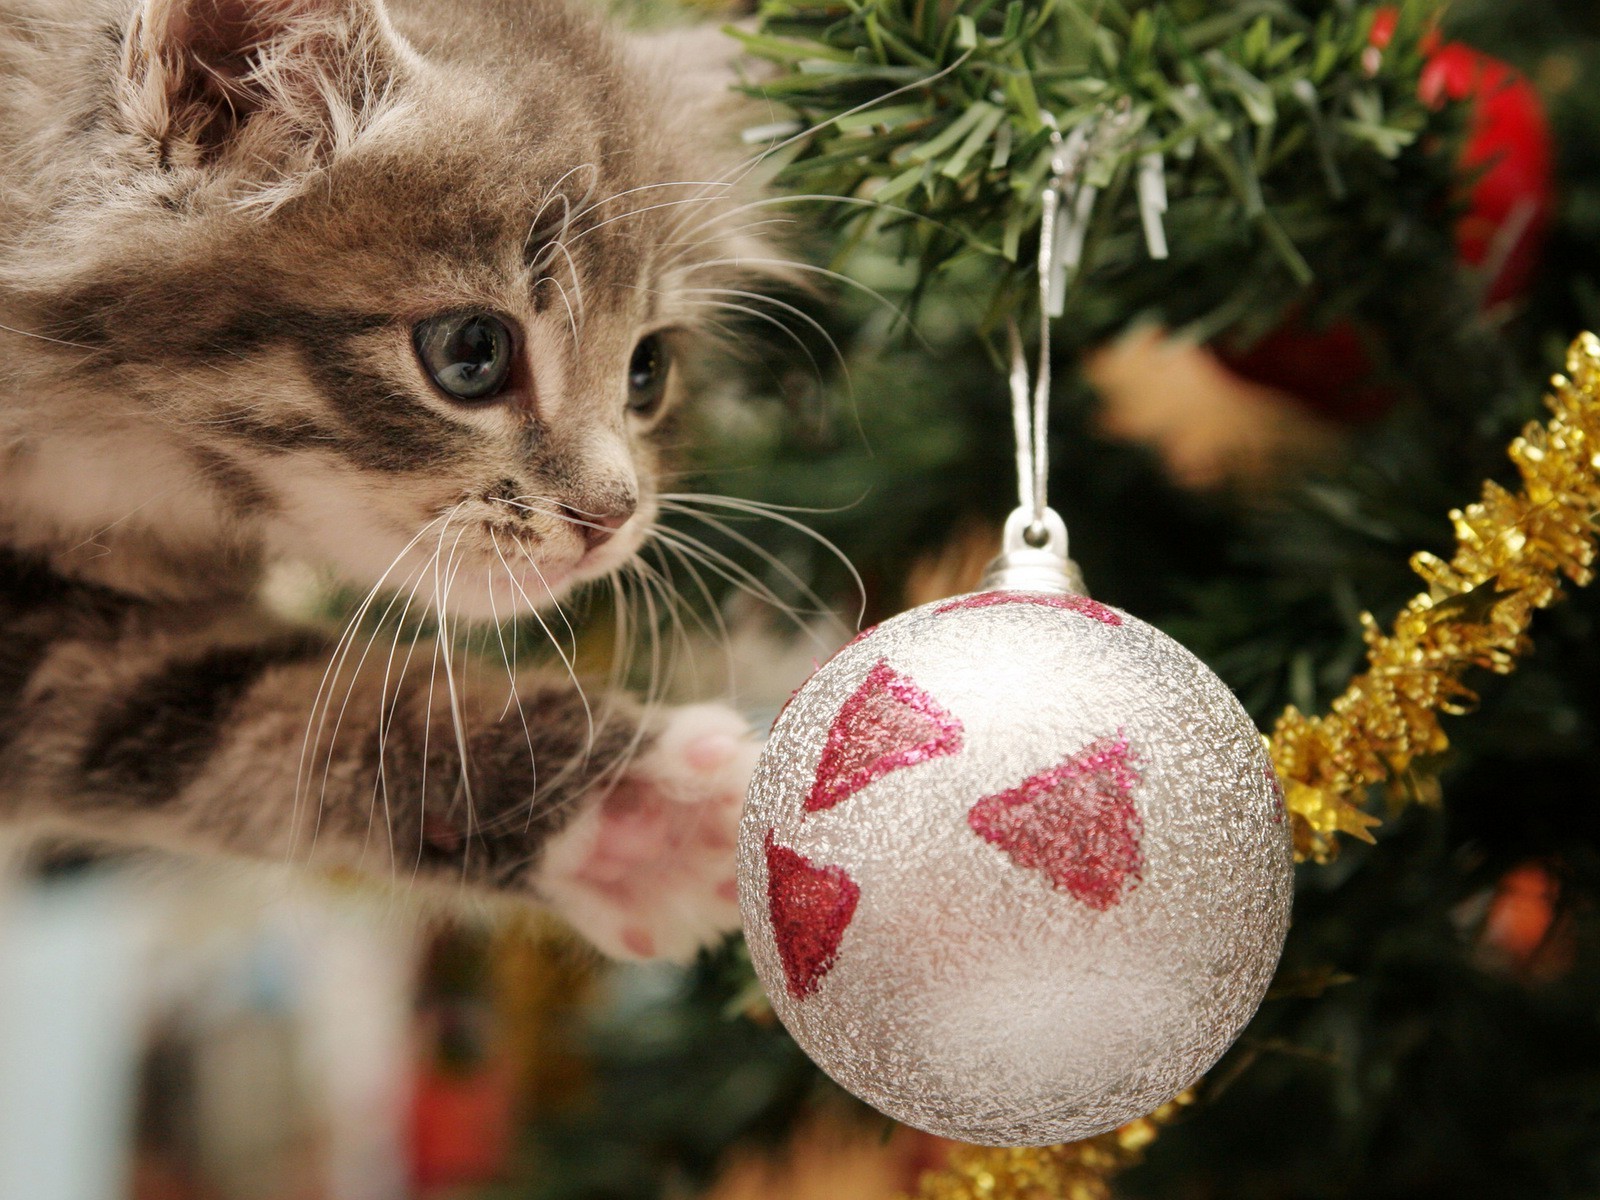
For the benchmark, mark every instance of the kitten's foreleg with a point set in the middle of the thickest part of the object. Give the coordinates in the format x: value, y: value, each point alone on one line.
x: 622, y: 821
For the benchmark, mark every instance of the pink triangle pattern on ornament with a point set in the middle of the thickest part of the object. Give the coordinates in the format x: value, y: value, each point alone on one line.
x: 810, y: 907
x: 816, y: 666
x: 1076, y: 822
x: 886, y: 724
x: 1081, y: 605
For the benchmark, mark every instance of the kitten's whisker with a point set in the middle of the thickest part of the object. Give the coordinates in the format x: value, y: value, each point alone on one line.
x: 672, y: 240
x: 570, y: 663
x: 685, y: 248
x: 131, y: 513
x: 572, y: 269
x: 636, y: 212
x: 525, y: 503
x: 768, y: 319
x: 759, y: 508
x: 536, y: 228
x: 338, y: 724
x: 629, y: 584
x: 674, y: 607
x: 654, y: 589
x: 738, y: 576
x: 457, y: 711
x: 555, y: 190
x: 562, y: 513
x: 571, y: 672
x: 507, y: 655
x: 685, y: 501
x: 427, y: 733
x: 677, y: 222
x: 320, y: 704
x: 385, y: 715
x: 649, y: 187
x: 792, y: 310
x: 324, y: 702
x: 427, y: 709
x: 650, y: 702
x: 572, y: 320
x: 740, y: 170
x: 769, y: 150
x: 804, y: 589
x: 821, y: 198
x: 387, y: 709
x: 720, y: 635
x: 513, y: 700
x: 90, y: 351
x: 621, y: 635
x: 536, y: 806
x: 878, y: 297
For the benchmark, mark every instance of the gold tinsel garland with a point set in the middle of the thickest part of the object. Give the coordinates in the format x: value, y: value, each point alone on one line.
x: 1512, y: 552
x: 1080, y: 1171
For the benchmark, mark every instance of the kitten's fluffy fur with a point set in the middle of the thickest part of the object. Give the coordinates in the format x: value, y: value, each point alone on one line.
x: 220, y: 221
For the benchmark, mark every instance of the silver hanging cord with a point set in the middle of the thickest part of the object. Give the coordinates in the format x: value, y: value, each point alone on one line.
x: 1028, y: 498
x: 1030, y: 415
x: 1034, y: 548
x: 1050, y: 215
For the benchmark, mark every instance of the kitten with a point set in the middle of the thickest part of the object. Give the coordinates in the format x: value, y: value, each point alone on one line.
x: 397, y: 288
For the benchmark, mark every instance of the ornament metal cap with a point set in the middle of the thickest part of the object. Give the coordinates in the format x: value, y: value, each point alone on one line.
x: 1033, y: 557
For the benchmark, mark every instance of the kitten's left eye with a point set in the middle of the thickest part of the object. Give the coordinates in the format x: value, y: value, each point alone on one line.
x: 467, y: 354
x: 647, y: 375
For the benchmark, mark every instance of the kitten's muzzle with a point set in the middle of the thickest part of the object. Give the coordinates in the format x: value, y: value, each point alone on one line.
x: 597, y: 528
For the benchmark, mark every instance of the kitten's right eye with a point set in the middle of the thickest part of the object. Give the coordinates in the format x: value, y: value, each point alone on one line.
x: 468, y: 355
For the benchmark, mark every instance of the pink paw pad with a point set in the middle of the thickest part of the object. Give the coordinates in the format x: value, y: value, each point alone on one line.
x: 647, y: 870
x: 711, y: 752
x: 638, y: 941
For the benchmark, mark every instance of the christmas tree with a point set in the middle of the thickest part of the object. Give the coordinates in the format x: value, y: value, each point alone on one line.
x: 1319, y: 262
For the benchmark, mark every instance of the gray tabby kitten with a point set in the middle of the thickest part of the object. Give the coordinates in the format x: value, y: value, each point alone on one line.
x: 398, y: 290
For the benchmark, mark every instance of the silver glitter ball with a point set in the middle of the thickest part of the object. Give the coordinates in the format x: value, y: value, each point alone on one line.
x: 1015, y: 868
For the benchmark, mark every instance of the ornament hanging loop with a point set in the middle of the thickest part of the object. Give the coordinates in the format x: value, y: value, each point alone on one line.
x: 1033, y: 552
x: 1026, y: 566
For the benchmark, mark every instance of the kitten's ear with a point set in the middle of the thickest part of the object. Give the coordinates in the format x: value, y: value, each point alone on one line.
x: 265, y: 78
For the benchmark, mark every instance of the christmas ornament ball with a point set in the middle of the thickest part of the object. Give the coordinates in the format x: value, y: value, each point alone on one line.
x: 1015, y: 868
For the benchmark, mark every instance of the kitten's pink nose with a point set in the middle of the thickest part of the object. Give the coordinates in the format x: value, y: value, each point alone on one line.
x: 596, y: 528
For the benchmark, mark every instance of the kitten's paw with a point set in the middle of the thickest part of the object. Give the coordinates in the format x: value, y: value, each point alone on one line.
x: 647, y: 871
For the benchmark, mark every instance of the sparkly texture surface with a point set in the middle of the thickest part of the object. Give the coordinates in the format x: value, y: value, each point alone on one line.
x: 1075, y: 822
x: 968, y: 995
x: 1512, y: 550
x: 810, y: 907
x: 889, y: 723
x: 1082, y: 605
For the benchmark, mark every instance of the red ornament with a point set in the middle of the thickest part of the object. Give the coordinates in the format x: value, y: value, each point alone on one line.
x: 887, y: 724
x: 1075, y: 822
x: 810, y: 907
x: 1328, y: 370
x: 1508, y: 154
x: 1509, y: 158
